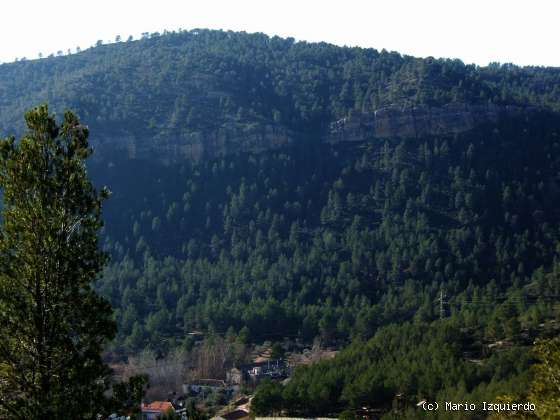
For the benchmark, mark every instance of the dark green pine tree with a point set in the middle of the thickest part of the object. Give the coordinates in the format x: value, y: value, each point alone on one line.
x: 53, y: 324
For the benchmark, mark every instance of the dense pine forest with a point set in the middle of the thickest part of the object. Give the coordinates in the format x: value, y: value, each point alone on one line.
x: 285, y: 244
x: 433, y: 259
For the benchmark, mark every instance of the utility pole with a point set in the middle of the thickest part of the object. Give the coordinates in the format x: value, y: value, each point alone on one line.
x: 441, y: 303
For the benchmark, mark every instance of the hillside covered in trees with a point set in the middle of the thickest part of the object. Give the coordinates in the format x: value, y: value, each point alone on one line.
x: 168, y: 86
x: 435, y: 244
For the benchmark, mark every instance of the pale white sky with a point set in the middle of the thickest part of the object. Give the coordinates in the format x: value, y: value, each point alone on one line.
x: 476, y: 31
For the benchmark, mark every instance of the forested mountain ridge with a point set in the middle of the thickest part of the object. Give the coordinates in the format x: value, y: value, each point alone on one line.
x: 180, y: 94
x: 266, y: 189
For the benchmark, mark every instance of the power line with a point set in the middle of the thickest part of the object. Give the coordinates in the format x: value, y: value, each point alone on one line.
x: 442, y: 301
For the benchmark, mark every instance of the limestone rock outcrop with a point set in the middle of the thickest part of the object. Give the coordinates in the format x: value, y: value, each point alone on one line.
x: 199, y: 145
x: 389, y: 122
x: 416, y: 121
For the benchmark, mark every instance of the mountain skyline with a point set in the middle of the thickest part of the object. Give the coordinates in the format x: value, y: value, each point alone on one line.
x: 486, y: 32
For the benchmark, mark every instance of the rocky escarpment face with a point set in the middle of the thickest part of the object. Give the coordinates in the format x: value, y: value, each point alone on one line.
x: 198, y: 145
x: 417, y: 121
x: 390, y: 122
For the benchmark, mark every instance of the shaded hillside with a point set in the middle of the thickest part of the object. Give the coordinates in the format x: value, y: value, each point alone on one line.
x: 333, y: 241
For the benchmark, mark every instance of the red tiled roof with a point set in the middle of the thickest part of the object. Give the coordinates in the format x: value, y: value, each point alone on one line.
x: 157, y: 406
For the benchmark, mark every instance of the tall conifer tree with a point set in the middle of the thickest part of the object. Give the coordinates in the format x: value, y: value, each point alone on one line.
x: 53, y: 324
